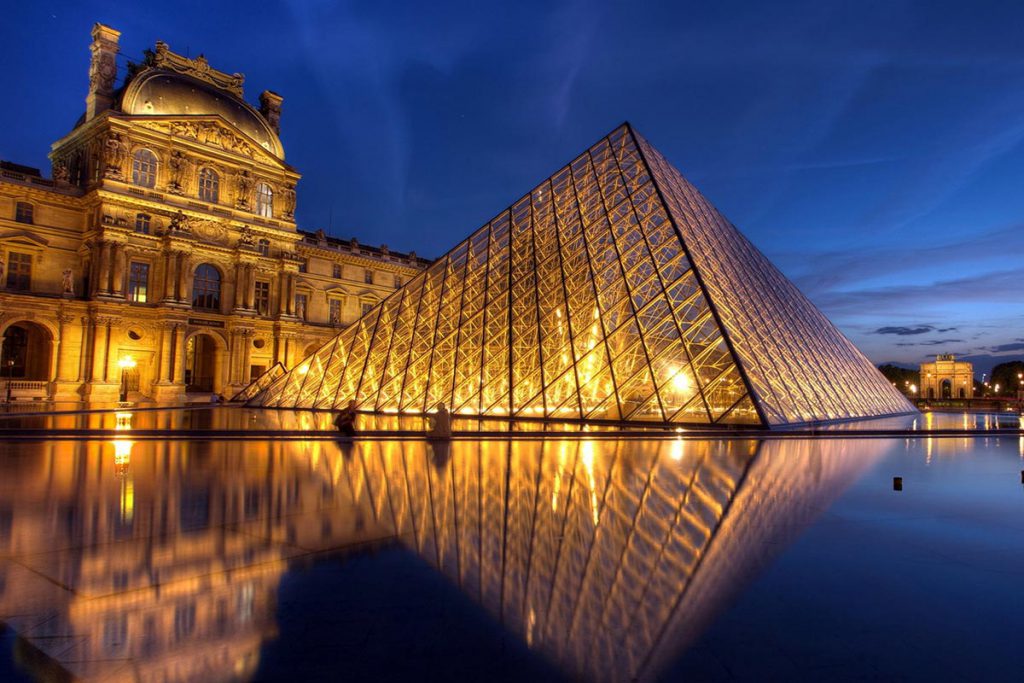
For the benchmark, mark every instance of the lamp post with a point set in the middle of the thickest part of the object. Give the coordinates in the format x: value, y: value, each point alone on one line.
x: 10, y: 374
x: 125, y: 363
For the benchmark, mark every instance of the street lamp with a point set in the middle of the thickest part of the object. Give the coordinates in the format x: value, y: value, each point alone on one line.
x: 125, y: 363
x: 10, y: 374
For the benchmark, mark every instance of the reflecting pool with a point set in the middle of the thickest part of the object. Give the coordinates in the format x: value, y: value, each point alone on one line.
x: 505, y: 559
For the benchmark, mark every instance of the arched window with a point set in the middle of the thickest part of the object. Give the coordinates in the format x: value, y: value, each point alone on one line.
x: 206, y: 288
x: 209, y: 186
x: 264, y: 201
x: 144, y: 168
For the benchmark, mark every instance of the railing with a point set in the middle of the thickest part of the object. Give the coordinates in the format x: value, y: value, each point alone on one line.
x: 24, y: 388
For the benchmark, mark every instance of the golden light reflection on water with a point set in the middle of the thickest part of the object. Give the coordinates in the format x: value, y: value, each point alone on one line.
x: 605, y: 556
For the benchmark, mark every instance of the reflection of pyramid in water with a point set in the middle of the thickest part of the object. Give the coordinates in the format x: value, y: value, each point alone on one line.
x: 613, y: 291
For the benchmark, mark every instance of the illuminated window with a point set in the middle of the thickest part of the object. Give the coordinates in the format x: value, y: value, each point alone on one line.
x: 142, y: 223
x: 337, y: 270
x: 23, y: 213
x: 335, y: 311
x: 264, y: 247
x: 19, y: 271
x: 264, y: 201
x: 144, y: 168
x: 138, y: 282
x: 206, y: 288
x: 209, y: 186
x: 262, y: 298
x: 368, y: 277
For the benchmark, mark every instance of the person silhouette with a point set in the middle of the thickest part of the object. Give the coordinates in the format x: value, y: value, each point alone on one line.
x: 441, y: 427
x: 345, y: 420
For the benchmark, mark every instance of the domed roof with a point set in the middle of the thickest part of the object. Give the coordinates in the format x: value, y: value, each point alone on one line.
x: 156, y: 92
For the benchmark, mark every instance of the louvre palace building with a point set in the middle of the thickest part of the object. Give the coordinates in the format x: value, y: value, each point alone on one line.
x: 162, y: 257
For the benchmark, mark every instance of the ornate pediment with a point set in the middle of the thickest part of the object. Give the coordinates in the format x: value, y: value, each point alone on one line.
x: 212, y: 132
x: 214, y: 232
x: 199, y: 68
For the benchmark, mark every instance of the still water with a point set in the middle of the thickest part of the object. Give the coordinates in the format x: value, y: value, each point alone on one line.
x: 542, y: 559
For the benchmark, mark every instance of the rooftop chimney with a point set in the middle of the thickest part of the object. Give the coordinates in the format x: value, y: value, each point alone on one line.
x: 270, y: 107
x: 102, y: 70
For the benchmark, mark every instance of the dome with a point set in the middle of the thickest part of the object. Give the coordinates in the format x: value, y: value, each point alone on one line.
x: 156, y: 92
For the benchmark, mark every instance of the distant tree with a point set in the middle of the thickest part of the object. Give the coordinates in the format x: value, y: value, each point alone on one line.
x: 901, y: 377
x: 1005, y: 375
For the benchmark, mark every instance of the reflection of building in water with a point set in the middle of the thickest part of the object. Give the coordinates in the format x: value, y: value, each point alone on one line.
x: 156, y: 561
x: 162, y: 560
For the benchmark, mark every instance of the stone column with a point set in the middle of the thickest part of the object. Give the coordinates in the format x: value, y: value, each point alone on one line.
x: 113, y: 348
x: 246, y: 355
x: 63, y: 353
x: 166, y: 351
x: 182, y: 293
x: 250, y: 287
x: 101, y: 336
x: 290, y: 301
x: 119, y: 268
x: 179, y: 354
x: 239, y: 286
x: 170, y: 275
x: 103, y: 276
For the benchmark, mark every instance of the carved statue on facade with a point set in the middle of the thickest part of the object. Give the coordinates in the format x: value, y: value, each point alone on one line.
x: 179, y: 223
x: 68, y: 282
x: 288, y: 194
x: 178, y: 164
x: 300, y: 308
x: 243, y: 188
x: 185, y: 129
x: 245, y: 237
x: 115, y: 152
x: 354, y: 245
x: 60, y: 171
x: 384, y: 251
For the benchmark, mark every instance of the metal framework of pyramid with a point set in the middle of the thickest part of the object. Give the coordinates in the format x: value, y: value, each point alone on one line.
x: 613, y: 291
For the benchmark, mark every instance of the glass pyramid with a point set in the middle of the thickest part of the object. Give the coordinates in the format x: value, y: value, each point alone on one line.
x: 260, y: 384
x: 612, y: 291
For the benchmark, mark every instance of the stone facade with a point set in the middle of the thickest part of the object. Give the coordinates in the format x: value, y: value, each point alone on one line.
x: 947, y: 377
x: 163, y: 257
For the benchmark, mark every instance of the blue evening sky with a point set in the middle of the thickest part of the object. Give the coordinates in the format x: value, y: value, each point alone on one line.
x: 873, y: 150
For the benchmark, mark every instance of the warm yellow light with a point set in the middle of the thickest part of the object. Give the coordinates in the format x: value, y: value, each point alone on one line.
x: 124, y: 421
x: 680, y: 382
x: 913, y: 388
x: 126, y: 362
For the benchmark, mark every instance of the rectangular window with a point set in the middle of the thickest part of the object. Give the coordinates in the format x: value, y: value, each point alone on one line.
x: 138, y: 282
x: 304, y: 266
x: 19, y: 271
x: 398, y: 281
x: 142, y: 222
x: 262, y: 298
x: 264, y: 247
x: 335, y: 311
x: 337, y: 271
x: 368, y: 277
x: 300, y: 306
x: 367, y: 307
x: 24, y: 213
x: 184, y: 620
